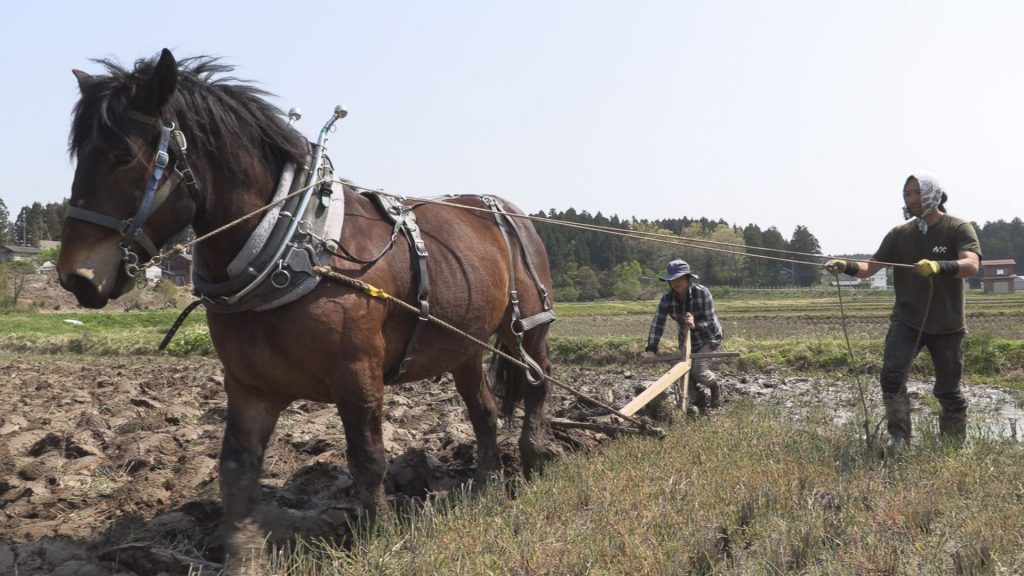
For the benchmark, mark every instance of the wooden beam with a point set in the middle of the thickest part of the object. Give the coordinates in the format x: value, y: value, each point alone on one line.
x: 659, y: 386
x: 697, y: 356
x: 609, y: 429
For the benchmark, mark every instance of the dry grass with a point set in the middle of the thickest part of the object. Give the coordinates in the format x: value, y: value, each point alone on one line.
x: 747, y: 493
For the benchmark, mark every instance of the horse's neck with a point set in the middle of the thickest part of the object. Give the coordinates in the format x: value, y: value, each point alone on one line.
x: 229, y: 202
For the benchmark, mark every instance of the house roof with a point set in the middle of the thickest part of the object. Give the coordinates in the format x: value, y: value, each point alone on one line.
x: 15, y: 249
x: 998, y: 262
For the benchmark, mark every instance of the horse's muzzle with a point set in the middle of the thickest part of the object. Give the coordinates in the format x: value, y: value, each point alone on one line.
x: 87, y: 293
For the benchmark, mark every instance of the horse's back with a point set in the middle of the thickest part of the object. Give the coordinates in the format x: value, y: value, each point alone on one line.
x: 469, y: 279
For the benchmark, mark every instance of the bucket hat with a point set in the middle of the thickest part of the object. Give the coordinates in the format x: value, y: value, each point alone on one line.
x: 678, y: 269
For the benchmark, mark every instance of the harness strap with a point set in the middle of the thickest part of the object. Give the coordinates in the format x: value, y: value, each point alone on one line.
x: 160, y: 162
x: 541, y: 289
x: 405, y: 220
x: 346, y: 255
x: 178, y: 322
x: 120, y: 226
x: 419, y: 250
x: 186, y: 174
x: 535, y: 375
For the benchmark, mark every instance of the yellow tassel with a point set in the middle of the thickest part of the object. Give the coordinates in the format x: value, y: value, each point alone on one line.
x: 376, y: 292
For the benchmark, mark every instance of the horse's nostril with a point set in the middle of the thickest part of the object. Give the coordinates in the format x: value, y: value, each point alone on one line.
x: 84, y: 290
x: 74, y: 283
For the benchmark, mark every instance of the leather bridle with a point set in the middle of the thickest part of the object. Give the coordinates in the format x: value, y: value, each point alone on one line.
x: 155, y: 195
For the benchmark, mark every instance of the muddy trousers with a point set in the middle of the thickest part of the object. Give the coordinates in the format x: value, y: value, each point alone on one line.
x: 701, y: 375
x: 947, y: 355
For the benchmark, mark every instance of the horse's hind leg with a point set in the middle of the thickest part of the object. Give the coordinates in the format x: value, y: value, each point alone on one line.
x: 250, y: 422
x: 533, y: 449
x: 483, y: 413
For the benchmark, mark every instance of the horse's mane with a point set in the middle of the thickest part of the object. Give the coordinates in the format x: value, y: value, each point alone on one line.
x: 226, y: 120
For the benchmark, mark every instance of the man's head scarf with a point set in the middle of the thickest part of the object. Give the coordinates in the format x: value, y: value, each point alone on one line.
x: 931, y: 197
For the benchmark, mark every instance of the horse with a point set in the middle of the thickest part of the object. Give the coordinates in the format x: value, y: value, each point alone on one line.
x: 335, y: 344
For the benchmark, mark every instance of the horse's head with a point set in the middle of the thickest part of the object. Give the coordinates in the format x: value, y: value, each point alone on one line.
x: 128, y: 196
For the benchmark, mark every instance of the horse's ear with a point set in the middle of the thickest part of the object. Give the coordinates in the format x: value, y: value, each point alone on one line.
x: 84, y: 79
x: 156, y: 90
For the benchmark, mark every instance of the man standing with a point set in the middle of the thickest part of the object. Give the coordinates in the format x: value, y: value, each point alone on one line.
x: 691, y: 306
x: 942, y: 250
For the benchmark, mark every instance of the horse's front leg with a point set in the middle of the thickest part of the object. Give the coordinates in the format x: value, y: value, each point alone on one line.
x: 360, y: 402
x: 250, y: 422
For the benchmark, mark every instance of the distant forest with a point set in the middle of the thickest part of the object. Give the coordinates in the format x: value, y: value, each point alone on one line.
x: 591, y: 265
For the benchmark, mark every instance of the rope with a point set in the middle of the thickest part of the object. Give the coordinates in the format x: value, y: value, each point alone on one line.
x: 633, y: 234
x: 927, y: 308
x: 179, y: 248
x: 642, y: 235
x: 375, y: 292
x: 869, y: 438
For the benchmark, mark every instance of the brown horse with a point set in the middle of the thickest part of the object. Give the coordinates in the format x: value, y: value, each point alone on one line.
x: 335, y: 344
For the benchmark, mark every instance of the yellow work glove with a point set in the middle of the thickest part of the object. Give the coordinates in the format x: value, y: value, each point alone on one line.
x: 837, y: 267
x: 945, y: 267
x: 927, y: 267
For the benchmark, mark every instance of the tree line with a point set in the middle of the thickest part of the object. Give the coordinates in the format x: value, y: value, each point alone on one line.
x: 590, y: 265
x: 33, y: 223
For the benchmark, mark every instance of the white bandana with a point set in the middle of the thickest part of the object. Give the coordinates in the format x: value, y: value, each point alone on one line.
x: 931, y: 197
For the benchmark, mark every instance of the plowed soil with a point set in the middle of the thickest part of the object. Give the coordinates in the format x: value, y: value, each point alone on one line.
x: 109, y: 465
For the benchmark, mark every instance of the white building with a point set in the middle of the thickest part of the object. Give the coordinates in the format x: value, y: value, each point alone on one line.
x: 153, y: 274
x: 879, y: 280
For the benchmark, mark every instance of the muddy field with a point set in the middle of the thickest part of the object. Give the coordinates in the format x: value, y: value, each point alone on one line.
x: 108, y: 465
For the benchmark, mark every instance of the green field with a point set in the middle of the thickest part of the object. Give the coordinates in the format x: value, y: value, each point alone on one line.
x: 789, y: 330
x: 798, y: 331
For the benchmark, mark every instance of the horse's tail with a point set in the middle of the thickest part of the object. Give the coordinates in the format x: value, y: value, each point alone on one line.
x: 507, y: 379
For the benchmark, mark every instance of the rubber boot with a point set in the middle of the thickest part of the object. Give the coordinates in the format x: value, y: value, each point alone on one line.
x: 716, y: 398
x: 698, y: 400
x: 953, y: 426
x: 897, y: 414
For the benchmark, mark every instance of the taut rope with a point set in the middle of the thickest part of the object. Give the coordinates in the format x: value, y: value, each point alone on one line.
x: 375, y: 292
x: 641, y: 235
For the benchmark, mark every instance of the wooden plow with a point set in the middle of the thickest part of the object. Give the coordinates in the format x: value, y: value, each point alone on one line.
x: 679, y: 372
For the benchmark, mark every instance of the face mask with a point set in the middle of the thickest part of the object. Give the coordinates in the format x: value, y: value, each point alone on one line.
x: 931, y: 197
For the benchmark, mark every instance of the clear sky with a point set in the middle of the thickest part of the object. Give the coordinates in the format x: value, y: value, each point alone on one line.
x: 778, y: 113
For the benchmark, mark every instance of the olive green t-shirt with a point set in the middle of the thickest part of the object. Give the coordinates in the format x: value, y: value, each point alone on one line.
x: 905, y: 244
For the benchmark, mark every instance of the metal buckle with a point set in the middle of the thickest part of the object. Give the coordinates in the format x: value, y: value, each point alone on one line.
x: 179, y: 138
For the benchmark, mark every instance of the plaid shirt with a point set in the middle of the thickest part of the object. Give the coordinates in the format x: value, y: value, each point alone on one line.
x: 706, y: 328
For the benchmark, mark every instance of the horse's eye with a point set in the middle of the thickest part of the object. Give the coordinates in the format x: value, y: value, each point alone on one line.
x: 122, y: 158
